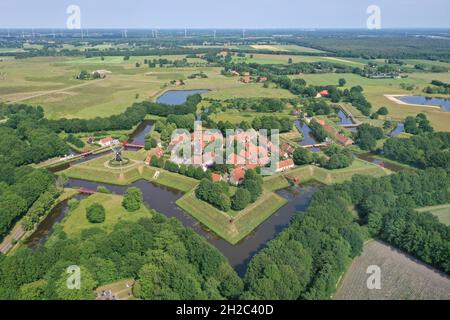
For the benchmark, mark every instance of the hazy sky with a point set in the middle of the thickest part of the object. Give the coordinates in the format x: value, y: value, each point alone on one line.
x: 224, y: 13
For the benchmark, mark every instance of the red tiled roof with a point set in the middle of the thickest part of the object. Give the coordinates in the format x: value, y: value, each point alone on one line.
x: 216, y: 177
x: 285, y: 163
x: 238, y: 174
x: 324, y: 92
x: 106, y: 140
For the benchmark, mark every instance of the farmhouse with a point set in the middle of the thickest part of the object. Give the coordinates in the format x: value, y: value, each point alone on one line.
x: 108, y: 141
x: 285, y: 165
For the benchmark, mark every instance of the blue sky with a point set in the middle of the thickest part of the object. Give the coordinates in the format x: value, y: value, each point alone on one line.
x: 224, y: 13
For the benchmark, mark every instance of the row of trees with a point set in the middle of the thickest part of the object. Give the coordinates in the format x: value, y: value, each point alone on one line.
x: 418, y: 124
x: 306, y: 260
x: 422, y: 151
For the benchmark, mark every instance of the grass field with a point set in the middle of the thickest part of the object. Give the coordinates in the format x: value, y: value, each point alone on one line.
x: 244, y: 221
x: 264, y: 58
x: 76, y: 220
x: 50, y: 82
x: 282, y: 48
x: 95, y: 170
x: 375, y: 89
x: 324, y: 176
x: 442, y: 212
x: 402, y: 277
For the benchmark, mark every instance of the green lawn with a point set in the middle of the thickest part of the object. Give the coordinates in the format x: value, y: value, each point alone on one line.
x: 375, y: 89
x: 76, y: 220
x: 442, y: 212
x: 95, y: 170
x: 244, y: 221
x: 325, y: 176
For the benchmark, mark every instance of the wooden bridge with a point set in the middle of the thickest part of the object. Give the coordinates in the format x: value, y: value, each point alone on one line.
x: 351, y: 125
x: 317, y: 145
x: 133, y: 145
x: 87, y: 191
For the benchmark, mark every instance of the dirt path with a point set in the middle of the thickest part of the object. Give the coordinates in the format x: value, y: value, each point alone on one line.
x: 15, y: 234
x: 44, y: 93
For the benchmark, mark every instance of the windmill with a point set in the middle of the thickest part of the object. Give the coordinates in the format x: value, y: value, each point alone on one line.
x: 117, y: 150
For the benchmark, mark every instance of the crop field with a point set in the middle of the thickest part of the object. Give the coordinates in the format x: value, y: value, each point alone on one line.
x: 76, y: 220
x: 263, y: 58
x: 402, y: 277
x: 442, y: 212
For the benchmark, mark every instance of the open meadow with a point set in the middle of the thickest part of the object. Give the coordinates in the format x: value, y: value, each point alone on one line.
x: 376, y: 89
x: 76, y: 220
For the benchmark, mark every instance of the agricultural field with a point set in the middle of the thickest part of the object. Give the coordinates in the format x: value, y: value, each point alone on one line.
x: 402, y: 277
x: 264, y: 58
x: 442, y: 212
x: 376, y: 89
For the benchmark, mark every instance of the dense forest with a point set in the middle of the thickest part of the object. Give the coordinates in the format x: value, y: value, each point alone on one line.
x: 422, y: 151
x: 307, y: 258
x: 184, y: 264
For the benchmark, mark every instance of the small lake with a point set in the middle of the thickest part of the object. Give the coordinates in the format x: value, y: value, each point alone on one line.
x: 163, y: 200
x: 426, y: 101
x: 177, y: 97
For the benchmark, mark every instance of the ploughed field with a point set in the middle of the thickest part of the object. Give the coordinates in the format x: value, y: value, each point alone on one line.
x: 402, y: 277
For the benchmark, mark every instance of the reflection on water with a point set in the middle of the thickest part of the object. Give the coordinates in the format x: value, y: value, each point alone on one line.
x: 426, y: 101
x: 399, y: 129
x: 177, y: 97
x: 388, y: 165
x: 308, y: 137
x: 163, y: 200
x: 45, y: 228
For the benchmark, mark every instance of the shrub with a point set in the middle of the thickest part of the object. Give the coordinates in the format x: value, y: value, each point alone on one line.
x: 132, y: 199
x: 95, y: 213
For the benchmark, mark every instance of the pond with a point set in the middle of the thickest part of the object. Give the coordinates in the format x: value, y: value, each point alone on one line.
x: 163, y: 200
x: 399, y: 129
x: 177, y: 97
x: 426, y: 101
